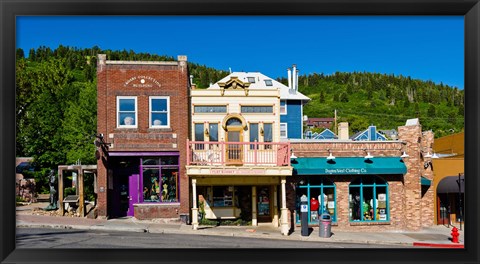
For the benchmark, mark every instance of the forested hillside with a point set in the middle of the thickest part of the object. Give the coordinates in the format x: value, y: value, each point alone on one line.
x: 56, y: 101
x: 386, y: 101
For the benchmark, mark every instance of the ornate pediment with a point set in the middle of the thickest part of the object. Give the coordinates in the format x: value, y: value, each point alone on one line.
x: 234, y: 83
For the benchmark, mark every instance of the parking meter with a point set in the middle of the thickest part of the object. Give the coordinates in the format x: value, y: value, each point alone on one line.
x: 304, y: 214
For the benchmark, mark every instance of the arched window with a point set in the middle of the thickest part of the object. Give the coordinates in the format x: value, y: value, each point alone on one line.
x: 234, y: 122
x: 321, y: 194
x: 368, y: 199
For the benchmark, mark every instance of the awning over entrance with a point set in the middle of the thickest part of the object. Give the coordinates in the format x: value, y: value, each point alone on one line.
x: 348, y: 165
x: 449, y: 184
x: 426, y: 182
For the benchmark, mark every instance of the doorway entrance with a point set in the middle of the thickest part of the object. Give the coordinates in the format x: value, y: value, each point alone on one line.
x: 264, y: 204
x: 234, y: 135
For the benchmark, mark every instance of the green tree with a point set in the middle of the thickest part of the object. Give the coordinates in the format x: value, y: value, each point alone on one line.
x: 40, y: 131
x: 432, y: 111
x: 80, y: 125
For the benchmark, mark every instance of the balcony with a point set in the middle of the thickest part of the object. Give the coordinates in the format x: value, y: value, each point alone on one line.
x: 265, y: 154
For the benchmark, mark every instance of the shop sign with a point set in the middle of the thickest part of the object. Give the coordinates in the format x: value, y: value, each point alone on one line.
x: 346, y: 171
x: 141, y: 82
x: 225, y: 171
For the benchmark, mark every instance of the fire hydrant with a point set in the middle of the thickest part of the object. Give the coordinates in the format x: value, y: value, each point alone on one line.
x: 455, y: 235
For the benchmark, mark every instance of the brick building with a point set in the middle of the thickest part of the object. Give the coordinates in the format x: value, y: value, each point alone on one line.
x: 142, y: 125
x: 366, y: 185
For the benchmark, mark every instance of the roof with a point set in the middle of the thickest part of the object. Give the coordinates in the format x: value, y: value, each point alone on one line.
x: 321, y: 119
x: 260, y: 83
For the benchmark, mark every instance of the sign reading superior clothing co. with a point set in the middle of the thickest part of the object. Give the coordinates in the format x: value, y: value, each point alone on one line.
x: 347, y: 171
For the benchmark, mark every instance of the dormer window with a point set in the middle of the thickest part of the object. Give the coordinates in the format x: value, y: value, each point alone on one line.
x: 251, y: 79
x: 268, y: 83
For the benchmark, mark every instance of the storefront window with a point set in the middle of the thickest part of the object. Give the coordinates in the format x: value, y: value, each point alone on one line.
x: 222, y: 196
x: 368, y: 199
x: 321, y: 194
x: 160, y: 179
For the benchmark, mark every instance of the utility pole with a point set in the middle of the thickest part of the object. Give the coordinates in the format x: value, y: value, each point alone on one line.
x: 335, y: 122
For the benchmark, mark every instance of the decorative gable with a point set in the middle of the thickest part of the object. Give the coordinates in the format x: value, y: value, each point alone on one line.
x: 234, y: 83
x: 370, y: 134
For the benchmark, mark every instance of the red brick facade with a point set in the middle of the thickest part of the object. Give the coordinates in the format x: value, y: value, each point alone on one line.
x: 142, y: 80
x: 410, y: 204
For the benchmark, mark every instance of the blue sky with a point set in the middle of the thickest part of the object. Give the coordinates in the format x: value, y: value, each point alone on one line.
x: 423, y: 47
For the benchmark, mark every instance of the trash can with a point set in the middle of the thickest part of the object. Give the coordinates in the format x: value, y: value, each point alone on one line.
x: 325, y: 225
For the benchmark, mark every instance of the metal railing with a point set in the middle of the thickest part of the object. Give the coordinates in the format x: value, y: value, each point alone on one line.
x: 204, y: 153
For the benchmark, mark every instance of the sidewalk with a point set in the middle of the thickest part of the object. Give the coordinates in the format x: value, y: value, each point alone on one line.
x: 435, y: 236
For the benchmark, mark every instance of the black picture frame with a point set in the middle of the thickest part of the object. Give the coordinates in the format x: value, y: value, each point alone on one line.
x: 470, y: 9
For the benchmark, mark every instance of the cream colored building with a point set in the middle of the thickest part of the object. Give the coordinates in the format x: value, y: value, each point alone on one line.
x: 236, y: 162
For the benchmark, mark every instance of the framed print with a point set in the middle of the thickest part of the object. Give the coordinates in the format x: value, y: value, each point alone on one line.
x: 156, y: 113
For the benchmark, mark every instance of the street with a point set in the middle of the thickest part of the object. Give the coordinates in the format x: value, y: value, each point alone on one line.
x: 71, y: 238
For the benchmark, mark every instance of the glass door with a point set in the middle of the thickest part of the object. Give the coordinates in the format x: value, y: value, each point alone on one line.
x: 264, y: 204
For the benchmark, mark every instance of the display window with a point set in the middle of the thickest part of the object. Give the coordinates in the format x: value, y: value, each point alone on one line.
x: 368, y: 199
x: 321, y: 194
x: 220, y: 196
x: 160, y: 179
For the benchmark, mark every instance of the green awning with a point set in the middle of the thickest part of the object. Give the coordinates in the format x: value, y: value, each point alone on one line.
x: 348, y: 165
x: 425, y: 181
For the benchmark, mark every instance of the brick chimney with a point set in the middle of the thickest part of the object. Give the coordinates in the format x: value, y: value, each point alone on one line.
x: 343, y: 131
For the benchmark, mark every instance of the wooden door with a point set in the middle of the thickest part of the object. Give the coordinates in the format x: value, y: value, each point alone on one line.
x: 234, y: 151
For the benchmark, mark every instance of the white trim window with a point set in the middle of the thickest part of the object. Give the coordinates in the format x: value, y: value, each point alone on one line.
x: 159, y: 111
x: 127, y: 111
x: 283, y: 130
x: 283, y: 107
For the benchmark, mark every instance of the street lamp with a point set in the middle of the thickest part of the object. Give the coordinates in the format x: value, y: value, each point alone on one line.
x: 459, y: 182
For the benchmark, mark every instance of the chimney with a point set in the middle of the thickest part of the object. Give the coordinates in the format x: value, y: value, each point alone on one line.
x: 343, y: 131
x: 289, y: 76
x: 101, y: 62
x: 294, y: 76
x: 296, y: 82
x: 182, y: 61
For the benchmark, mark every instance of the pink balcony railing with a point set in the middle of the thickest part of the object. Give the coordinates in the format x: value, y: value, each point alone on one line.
x: 203, y: 153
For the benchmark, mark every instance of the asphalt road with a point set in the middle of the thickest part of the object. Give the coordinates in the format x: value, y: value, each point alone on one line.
x: 72, y: 238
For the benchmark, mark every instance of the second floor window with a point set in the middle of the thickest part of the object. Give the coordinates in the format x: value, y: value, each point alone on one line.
x: 213, y: 132
x: 283, y: 130
x: 199, y: 132
x: 283, y: 107
x: 159, y: 111
x: 127, y: 111
x: 257, y: 109
x: 253, y: 134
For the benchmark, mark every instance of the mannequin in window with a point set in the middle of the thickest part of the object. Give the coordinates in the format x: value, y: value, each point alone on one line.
x: 157, y: 122
x: 128, y: 121
x: 356, y: 207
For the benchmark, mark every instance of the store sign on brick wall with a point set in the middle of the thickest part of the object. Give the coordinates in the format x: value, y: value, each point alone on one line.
x: 142, y: 81
x: 346, y: 171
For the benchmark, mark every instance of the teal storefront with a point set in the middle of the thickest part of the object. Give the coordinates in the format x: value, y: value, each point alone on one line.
x: 366, y: 180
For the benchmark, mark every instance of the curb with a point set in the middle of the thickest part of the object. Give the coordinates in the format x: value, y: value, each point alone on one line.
x: 434, y: 245
x: 156, y: 230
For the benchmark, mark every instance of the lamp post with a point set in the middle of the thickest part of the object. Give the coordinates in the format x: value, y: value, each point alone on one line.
x: 459, y: 182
